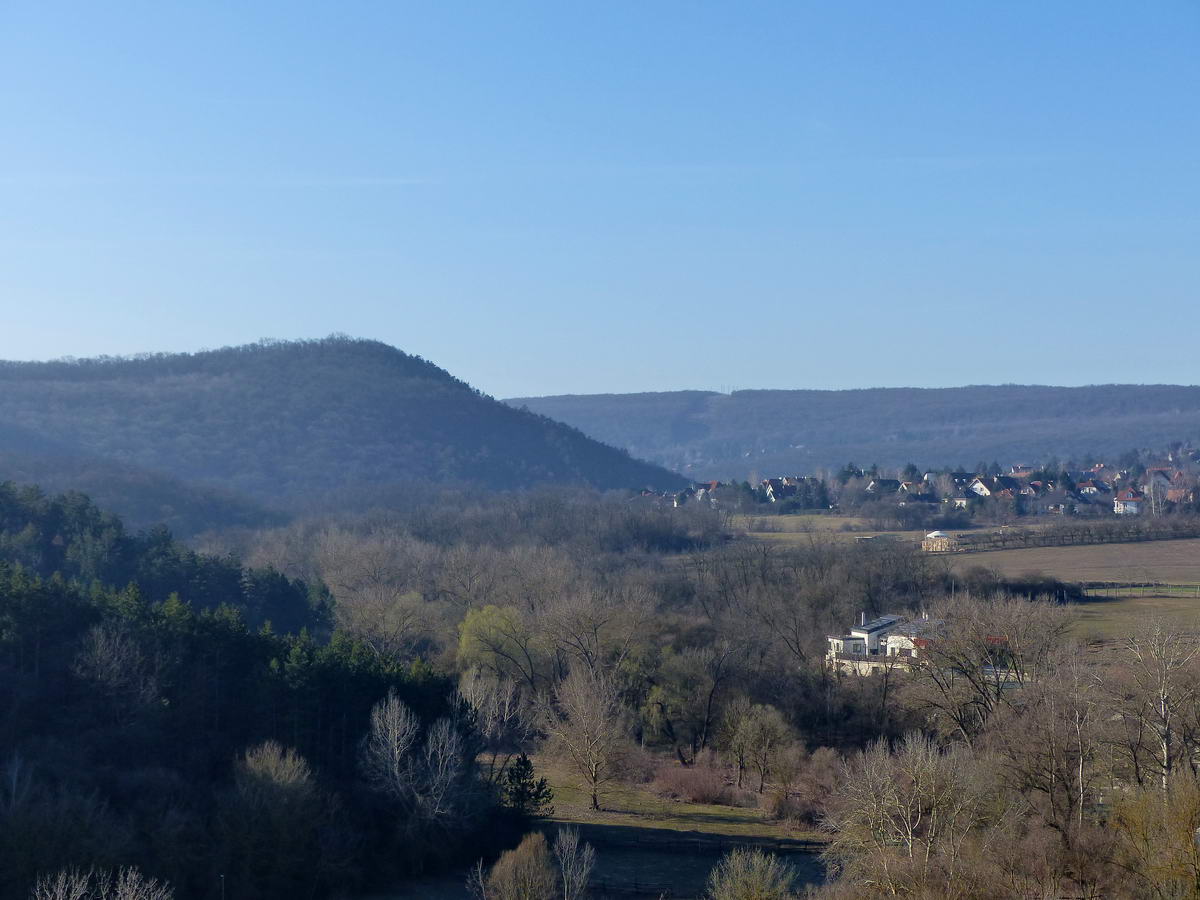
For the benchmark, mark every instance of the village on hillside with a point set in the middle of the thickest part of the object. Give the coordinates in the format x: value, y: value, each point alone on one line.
x: 1159, y: 485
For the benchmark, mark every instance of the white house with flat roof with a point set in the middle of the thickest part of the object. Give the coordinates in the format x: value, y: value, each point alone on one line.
x: 885, y: 643
x: 862, y: 643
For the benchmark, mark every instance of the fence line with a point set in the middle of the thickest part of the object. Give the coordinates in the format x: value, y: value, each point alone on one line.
x: 1139, y: 588
x: 1072, y: 536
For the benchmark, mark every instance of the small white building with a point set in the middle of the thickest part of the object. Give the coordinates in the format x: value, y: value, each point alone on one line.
x: 939, y: 542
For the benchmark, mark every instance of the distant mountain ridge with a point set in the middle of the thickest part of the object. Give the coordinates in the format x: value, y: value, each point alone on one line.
x: 280, y: 426
x: 709, y: 435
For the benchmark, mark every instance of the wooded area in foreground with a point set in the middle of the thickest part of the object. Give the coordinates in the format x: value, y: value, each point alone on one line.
x: 339, y: 705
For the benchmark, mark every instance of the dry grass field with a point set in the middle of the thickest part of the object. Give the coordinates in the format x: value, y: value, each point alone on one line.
x: 1165, y: 562
x: 636, y: 806
x: 799, y: 523
x: 1116, y: 618
x: 801, y: 527
x: 1171, y: 562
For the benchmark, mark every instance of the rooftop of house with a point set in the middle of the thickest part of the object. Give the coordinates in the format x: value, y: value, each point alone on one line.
x: 919, y: 626
x: 876, y: 625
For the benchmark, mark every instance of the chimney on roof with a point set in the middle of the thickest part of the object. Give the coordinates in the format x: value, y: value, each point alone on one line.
x: 862, y: 618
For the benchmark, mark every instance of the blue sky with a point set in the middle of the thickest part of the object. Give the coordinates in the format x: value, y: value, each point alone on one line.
x: 585, y: 197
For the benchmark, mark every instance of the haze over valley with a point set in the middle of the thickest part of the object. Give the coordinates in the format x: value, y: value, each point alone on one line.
x: 749, y: 433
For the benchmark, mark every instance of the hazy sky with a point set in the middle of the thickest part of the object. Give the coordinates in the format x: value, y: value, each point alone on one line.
x: 582, y: 197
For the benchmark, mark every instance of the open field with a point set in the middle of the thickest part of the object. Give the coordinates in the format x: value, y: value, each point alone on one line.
x: 1171, y: 562
x: 802, y: 527
x: 1112, y: 619
x: 800, y: 522
x: 800, y: 537
x: 1117, y: 615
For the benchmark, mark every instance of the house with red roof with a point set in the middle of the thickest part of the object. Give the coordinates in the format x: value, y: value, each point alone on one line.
x: 1128, y: 502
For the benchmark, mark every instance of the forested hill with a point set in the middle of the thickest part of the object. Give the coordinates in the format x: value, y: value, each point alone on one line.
x: 710, y: 435
x: 328, y: 423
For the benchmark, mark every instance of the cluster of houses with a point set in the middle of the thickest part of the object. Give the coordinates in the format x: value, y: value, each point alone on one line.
x: 1093, y: 490
x: 1097, y: 490
x: 776, y: 489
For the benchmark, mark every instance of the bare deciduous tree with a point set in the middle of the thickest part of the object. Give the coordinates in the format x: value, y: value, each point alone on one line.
x: 111, y: 658
x: 766, y: 734
x: 901, y: 821
x: 386, y: 753
x: 1154, y: 690
x: 586, y: 726
x: 595, y: 626
x: 377, y: 581
x: 1049, y: 743
x: 502, y: 717
x: 100, y: 884
x: 978, y: 652
x: 432, y: 782
x: 441, y: 777
x: 575, y: 863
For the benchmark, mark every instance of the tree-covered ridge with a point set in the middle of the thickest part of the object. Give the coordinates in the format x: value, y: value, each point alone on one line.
x: 710, y: 435
x: 292, y: 424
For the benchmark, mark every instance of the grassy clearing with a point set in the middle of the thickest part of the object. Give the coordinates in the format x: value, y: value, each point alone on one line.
x: 648, y: 845
x: 1112, y: 619
x: 636, y: 806
x: 802, y: 537
x: 803, y: 522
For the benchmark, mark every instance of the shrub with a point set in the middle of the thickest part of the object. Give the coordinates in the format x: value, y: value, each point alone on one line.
x: 526, y: 873
x: 751, y: 875
x: 695, y: 784
x: 805, y: 782
x: 639, y: 765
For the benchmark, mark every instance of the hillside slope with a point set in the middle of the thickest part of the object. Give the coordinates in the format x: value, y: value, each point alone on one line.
x: 287, y: 425
x: 709, y: 435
